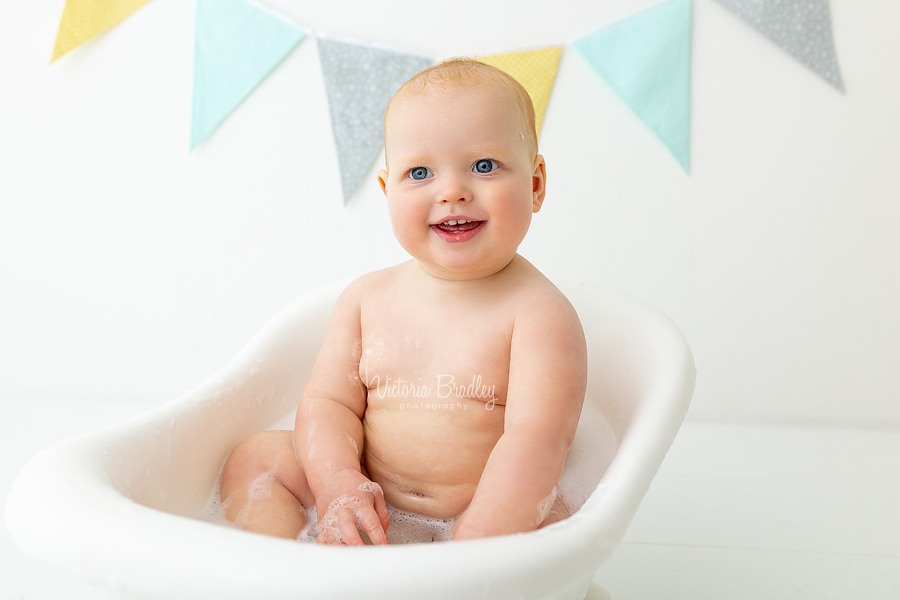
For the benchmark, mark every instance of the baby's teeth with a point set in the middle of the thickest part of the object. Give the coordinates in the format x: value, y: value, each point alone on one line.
x: 451, y: 222
x: 461, y: 222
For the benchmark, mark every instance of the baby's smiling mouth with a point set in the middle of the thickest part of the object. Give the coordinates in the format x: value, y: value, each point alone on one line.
x: 457, y: 226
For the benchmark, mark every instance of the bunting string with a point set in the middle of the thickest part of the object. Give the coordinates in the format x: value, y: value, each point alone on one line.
x: 644, y: 58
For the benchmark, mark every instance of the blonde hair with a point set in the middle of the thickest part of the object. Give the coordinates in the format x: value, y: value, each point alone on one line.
x: 467, y: 72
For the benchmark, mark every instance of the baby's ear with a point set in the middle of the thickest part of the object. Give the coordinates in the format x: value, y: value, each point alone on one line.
x: 538, y: 183
x: 382, y: 180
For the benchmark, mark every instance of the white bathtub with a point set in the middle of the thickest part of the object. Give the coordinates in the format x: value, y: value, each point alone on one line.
x: 117, y: 507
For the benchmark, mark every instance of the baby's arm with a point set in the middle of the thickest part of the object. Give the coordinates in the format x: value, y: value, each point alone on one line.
x: 547, y: 380
x: 328, y: 434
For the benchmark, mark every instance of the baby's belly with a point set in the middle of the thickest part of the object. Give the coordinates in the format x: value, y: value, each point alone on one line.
x: 428, y: 453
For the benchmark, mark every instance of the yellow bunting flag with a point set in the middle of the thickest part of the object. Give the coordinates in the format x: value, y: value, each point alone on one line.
x: 84, y: 19
x: 535, y: 70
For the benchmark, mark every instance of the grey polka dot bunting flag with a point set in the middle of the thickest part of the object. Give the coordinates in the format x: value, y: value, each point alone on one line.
x: 360, y: 81
x: 802, y: 28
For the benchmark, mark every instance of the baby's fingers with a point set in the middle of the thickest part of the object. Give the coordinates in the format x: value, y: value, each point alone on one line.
x: 346, y: 521
x: 326, y: 535
x: 371, y: 524
x: 381, y: 511
x: 378, y: 500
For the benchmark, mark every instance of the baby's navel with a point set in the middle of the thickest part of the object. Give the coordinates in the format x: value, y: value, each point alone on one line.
x: 411, y: 493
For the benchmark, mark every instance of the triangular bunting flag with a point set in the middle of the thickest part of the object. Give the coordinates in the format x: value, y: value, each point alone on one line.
x: 646, y: 60
x: 84, y: 19
x: 535, y: 70
x: 360, y: 81
x: 237, y: 45
x: 802, y: 28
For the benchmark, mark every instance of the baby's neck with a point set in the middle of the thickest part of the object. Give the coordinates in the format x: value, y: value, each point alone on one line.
x: 463, y: 284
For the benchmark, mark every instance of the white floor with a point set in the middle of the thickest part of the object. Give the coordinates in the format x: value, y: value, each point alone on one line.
x: 736, y: 512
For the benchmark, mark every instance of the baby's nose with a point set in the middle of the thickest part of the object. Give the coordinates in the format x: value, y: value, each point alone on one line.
x: 455, y: 191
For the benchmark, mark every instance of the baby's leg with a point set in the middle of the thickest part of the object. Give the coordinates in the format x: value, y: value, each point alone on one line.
x: 263, y: 487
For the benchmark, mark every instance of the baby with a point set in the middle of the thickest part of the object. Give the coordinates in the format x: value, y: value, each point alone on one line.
x: 449, y: 385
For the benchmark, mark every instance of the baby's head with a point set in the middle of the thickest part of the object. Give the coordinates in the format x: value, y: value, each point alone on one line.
x: 461, y: 145
x: 467, y: 73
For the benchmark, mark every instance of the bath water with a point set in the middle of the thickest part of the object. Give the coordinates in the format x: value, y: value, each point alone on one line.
x: 591, y: 453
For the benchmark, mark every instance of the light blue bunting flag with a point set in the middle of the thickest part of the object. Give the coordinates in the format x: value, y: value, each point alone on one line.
x: 802, y: 28
x: 360, y: 81
x: 646, y: 60
x: 237, y: 45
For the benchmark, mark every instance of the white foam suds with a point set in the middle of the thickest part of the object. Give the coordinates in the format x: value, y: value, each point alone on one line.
x: 214, y: 511
x: 545, y: 505
x: 410, y: 528
x: 591, y: 453
x: 404, y: 528
x: 371, y: 487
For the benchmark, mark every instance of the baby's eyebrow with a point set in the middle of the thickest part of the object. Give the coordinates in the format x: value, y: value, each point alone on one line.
x: 410, y: 161
x: 415, y: 157
x: 482, y: 152
x: 489, y: 151
x: 406, y: 164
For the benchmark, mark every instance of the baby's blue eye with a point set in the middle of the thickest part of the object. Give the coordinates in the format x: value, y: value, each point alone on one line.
x: 485, y: 166
x: 420, y: 173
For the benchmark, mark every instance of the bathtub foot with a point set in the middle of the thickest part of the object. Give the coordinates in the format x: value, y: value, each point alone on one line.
x: 581, y: 589
x: 597, y: 592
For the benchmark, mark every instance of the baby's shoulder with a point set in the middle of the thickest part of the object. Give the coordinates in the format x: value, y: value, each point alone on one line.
x: 372, y: 285
x: 539, y: 302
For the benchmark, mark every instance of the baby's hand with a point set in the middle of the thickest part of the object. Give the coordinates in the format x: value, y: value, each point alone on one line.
x: 354, y: 503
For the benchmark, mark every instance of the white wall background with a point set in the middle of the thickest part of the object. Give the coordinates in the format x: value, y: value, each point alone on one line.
x: 131, y: 268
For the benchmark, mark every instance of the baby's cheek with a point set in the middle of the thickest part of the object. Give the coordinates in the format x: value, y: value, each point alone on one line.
x: 402, y: 226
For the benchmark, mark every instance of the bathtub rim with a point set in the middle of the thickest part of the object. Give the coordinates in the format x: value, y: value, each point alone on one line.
x: 571, y: 547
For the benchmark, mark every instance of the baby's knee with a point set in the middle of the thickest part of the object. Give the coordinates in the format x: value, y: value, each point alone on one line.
x: 262, y: 443
x: 253, y: 455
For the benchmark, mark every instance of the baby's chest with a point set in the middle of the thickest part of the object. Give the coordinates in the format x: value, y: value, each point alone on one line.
x: 437, y: 354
